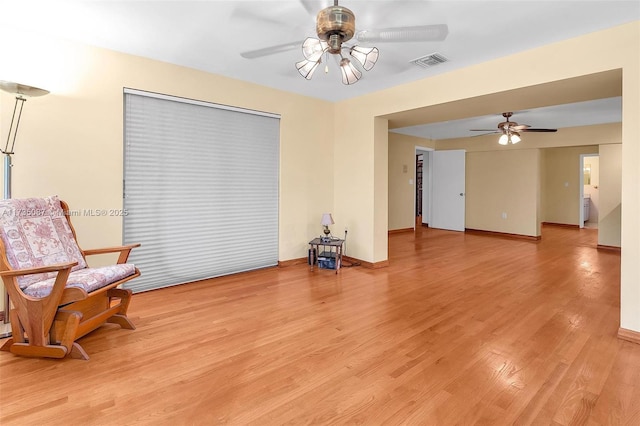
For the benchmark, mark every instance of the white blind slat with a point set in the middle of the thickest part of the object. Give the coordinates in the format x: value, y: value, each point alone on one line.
x: 201, y: 190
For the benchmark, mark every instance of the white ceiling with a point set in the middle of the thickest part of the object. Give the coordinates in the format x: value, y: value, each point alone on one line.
x: 210, y: 35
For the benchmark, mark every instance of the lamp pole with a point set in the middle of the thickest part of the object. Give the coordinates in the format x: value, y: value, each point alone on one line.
x: 7, y: 176
x: 21, y: 91
x: 9, y: 151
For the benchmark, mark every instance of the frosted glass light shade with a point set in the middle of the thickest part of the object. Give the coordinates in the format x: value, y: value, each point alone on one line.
x: 313, y: 48
x: 367, y: 56
x: 350, y: 74
x: 306, y: 68
x: 509, y: 137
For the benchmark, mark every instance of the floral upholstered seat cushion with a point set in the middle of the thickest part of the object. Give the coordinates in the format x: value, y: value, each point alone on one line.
x: 35, y: 233
x: 89, y: 279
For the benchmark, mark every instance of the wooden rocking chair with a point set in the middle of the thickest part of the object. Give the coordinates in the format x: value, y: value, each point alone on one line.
x: 56, y: 298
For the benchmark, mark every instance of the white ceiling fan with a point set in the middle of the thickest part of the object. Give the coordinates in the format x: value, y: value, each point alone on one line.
x: 335, y: 25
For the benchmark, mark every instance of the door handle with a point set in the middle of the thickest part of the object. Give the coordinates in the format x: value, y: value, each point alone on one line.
x: 462, y: 194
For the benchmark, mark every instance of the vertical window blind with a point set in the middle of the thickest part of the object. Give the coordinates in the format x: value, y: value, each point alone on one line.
x: 200, y: 189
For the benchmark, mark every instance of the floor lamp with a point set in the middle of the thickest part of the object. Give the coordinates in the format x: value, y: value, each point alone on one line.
x: 21, y: 91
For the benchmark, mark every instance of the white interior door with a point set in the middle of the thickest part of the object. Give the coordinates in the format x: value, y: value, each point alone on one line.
x: 447, y: 184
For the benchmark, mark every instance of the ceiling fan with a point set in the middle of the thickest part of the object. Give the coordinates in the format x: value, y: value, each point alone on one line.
x: 336, y: 25
x: 510, y: 130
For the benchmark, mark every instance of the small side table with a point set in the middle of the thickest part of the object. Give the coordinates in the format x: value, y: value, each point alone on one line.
x: 327, y: 254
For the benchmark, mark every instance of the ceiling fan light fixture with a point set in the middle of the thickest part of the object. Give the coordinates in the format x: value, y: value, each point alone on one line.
x: 306, y: 68
x: 335, y: 44
x: 350, y: 74
x: 313, y: 48
x: 366, y: 56
x: 515, y: 137
x: 336, y: 20
x: 510, y: 130
x: 509, y: 137
x: 334, y: 26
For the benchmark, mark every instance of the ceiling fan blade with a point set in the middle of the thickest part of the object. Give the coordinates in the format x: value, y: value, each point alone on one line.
x: 539, y: 130
x: 271, y: 50
x: 310, y: 6
x: 519, y: 127
x: 314, y: 6
x: 391, y: 35
x: 484, y: 130
x: 250, y: 16
x: 483, y: 134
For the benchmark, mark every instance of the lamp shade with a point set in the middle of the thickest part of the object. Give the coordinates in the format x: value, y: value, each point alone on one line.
x: 367, y: 56
x: 509, y: 137
x: 326, y: 219
x: 312, y: 48
x: 21, y: 89
x: 306, y: 68
x: 350, y: 74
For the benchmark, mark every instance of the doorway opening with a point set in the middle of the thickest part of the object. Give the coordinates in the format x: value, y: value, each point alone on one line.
x: 589, y: 190
x: 418, y: 200
x: 422, y: 196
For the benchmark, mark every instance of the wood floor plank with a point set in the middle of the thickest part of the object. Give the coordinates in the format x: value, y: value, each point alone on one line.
x: 459, y: 329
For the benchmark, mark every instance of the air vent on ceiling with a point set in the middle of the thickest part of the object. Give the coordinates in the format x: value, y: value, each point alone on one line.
x: 429, y: 60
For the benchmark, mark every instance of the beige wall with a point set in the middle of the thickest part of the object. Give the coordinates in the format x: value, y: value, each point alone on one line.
x: 381, y: 181
x: 561, y: 191
x: 630, y: 238
x: 502, y: 191
x: 355, y: 116
x: 562, y: 204
x: 402, y: 153
x: 402, y: 171
x: 354, y: 180
x: 616, y: 49
x: 552, y: 203
x: 610, y: 195
x: 70, y: 141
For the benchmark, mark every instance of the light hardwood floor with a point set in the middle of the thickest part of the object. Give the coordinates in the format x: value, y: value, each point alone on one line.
x: 459, y: 329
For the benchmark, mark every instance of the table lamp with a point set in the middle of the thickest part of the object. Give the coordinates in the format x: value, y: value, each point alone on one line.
x: 326, y: 221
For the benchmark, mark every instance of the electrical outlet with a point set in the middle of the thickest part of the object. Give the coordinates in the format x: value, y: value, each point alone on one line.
x: 504, y: 215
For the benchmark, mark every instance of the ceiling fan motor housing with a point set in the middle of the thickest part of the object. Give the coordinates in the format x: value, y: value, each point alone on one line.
x: 335, y: 24
x: 506, y: 124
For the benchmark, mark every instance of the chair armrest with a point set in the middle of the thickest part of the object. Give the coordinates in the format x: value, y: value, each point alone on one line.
x: 36, y: 314
x: 123, y: 250
x: 39, y: 270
